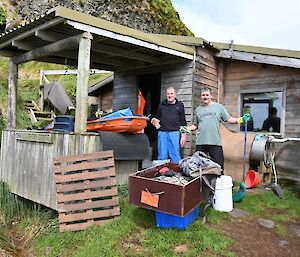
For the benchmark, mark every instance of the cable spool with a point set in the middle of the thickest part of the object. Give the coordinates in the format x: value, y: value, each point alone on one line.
x: 262, y: 150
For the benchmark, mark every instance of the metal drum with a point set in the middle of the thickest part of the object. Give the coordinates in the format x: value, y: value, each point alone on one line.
x: 262, y: 150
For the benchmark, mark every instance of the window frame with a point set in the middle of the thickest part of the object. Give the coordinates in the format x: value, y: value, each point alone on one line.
x: 262, y: 89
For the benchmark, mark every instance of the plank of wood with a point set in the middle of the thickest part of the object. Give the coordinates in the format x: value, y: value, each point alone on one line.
x: 62, y: 207
x: 80, y: 176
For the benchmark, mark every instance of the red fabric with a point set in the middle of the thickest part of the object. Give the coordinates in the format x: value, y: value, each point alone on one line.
x: 141, y: 103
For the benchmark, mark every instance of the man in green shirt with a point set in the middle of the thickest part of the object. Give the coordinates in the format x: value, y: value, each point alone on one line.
x: 208, y: 117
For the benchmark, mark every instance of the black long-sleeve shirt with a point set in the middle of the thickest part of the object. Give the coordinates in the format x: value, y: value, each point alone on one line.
x: 171, y: 116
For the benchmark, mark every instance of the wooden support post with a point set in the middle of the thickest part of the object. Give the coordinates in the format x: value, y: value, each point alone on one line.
x: 82, y: 82
x: 12, y: 94
x: 41, y: 91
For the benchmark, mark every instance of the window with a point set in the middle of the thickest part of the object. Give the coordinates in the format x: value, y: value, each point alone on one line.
x: 266, y: 110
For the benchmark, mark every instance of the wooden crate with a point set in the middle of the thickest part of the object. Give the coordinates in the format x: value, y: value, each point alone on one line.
x: 86, y: 189
x: 167, y: 197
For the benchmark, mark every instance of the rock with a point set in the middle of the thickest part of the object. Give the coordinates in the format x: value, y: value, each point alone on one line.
x: 266, y: 223
x: 294, y: 229
x: 282, y: 243
x: 237, y: 213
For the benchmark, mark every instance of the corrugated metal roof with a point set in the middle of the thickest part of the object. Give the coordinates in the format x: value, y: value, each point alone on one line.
x: 120, y: 29
x: 80, y: 17
x: 190, y: 40
x: 258, y: 50
x: 157, y: 49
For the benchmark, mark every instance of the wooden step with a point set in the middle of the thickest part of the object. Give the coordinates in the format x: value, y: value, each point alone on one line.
x: 38, y: 115
x: 31, y: 105
x: 43, y: 114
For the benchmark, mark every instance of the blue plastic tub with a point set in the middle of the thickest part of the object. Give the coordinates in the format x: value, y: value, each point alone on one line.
x: 64, y: 123
x: 164, y: 220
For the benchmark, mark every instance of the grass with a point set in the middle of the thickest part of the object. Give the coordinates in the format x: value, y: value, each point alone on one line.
x: 135, y: 233
x: 21, y: 222
x: 260, y: 204
x: 28, y: 87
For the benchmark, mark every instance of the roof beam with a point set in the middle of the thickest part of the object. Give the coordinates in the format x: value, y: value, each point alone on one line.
x: 259, y: 58
x: 68, y: 43
x: 119, y: 51
x: 7, y: 53
x: 22, y: 45
x: 69, y: 72
x: 73, y: 62
x: 130, y: 40
x: 48, y: 35
x: 104, y: 60
x: 31, y: 31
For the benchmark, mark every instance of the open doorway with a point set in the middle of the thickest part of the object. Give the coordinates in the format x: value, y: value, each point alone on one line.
x: 150, y: 86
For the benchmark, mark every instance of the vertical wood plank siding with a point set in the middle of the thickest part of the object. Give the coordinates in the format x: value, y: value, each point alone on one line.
x: 206, y: 75
x: 27, y: 166
x: 180, y: 76
x: 125, y: 91
x: 256, y: 77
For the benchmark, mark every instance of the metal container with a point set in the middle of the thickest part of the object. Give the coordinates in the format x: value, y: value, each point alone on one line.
x: 262, y: 150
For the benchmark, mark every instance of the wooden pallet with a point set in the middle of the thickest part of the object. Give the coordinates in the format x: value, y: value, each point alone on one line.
x: 86, y: 188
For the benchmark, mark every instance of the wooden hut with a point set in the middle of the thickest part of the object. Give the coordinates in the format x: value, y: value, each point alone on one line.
x: 151, y: 63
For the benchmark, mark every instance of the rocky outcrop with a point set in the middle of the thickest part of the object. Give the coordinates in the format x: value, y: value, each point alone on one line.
x: 155, y: 16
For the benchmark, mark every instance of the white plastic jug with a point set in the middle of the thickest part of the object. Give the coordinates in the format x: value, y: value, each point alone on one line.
x: 223, y: 194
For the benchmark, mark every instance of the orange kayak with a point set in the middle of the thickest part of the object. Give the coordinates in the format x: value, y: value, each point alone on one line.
x: 126, y: 124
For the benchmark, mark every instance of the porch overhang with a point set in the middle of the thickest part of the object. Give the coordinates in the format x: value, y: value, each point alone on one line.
x: 54, y: 38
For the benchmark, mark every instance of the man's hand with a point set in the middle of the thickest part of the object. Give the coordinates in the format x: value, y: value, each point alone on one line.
x: 185, y: 130
x: 245, y: 118
x: 156, y: 123
x: 182, y: 140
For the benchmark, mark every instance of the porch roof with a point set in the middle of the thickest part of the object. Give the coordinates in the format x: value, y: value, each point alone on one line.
x: 113, y: 46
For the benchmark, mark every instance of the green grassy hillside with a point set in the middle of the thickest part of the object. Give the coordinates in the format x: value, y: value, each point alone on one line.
x: 28, y: 87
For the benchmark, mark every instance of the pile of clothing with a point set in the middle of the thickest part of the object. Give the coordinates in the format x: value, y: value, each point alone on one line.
x: 198, y: 164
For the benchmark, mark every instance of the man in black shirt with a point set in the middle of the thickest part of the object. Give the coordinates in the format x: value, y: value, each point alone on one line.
x: 170, y: 116
x: 272, y: 123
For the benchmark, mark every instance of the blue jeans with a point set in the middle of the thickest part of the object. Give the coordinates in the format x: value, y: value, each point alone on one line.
x: 168, y: 145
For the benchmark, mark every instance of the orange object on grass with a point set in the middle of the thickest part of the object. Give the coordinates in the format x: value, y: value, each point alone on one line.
x: 252, y: 179
x: 127, y: 124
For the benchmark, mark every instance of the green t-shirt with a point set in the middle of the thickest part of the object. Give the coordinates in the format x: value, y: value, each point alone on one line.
x: 207, y: 119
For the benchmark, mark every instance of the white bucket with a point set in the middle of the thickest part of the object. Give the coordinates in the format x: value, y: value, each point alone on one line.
x: 223, y: 194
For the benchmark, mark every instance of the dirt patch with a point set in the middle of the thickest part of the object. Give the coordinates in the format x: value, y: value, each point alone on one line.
x: 181, y: 248
x: 132, y: 244
x: 253, y: 240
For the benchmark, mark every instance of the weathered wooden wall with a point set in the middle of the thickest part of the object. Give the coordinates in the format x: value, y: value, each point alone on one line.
x: 27, y: 166
x: 241, y: 76
x: 180, y: 76
x: 205, y: 76
x: 106, y: 99
x: 125, y: 91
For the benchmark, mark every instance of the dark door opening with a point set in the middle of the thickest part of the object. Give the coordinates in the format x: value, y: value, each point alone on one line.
x: 150, y: 86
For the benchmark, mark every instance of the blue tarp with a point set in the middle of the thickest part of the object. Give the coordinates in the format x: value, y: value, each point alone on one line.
x: 120, y: 113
